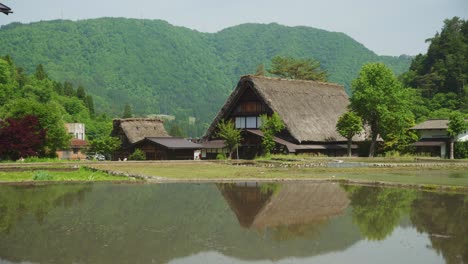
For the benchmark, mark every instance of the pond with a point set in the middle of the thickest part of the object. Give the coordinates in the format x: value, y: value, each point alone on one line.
x: 304, y: 222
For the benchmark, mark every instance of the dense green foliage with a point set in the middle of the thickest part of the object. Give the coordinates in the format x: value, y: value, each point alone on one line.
x: 37, y: 95
x: 456, y: 126
x: 441, y: 75
x: 105, y: 145
x: 348, y: 125
x: 384, y: 104
x: 231, y: 136
x: 301, y: 69
x: 162, y: 69
x: 138, y: 154
x: 270, y: 126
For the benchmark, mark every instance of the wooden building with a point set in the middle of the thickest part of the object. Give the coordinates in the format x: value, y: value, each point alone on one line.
x: 434, y: 139
x: 309, y: 110
x: 149, y: 135
x: 168, y: 148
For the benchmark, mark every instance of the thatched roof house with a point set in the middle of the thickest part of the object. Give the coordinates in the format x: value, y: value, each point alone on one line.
x: 309, y: 109
x: 132, y: 130
x: 291, y: 204
x: 150, y: 136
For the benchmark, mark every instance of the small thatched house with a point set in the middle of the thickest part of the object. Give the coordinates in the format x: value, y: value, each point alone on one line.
x: 149, y: 135
x: 309, y: 110
x: 287, y: 205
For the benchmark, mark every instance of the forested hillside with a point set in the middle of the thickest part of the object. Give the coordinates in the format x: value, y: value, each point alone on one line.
x: 163, y: 69
x: 441, y: 75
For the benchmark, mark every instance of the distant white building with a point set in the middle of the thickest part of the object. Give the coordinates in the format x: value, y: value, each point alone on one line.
x: 78, y: 144
x: 434, y: 138
x: 77, y: 130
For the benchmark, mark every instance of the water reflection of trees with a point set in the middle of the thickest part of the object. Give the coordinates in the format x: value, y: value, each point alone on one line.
x: 18, y: 201
x: 377, y: 211
x: 445, y: 218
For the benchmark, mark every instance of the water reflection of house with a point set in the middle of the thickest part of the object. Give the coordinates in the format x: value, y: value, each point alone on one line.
x: 308, y: 109
x: 284, y: 205
x: 78, y: 144
x: 149, y: 135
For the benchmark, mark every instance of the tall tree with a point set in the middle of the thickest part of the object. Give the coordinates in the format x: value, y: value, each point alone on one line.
x: 382, y: 102
x: 301, y: 69
x: 50, y: 118
x: 68, y: 89
x: 260, y: 70
x: 127, y: 113
x: 80, y: 93
x: 231, y: 136
x: 89, y: 102
x: 456, y: 126
x: 270, y: 126
x: 40, y: 72
x: 348, y: 125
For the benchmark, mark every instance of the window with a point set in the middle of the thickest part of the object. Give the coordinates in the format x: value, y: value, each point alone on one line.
x: 259, y: 122
x: 248, y: 122
x: 240, y: 122
x: 251, y: 122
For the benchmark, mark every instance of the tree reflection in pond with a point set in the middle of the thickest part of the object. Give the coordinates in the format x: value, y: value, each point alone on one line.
x: 445, y: 218
x: 158, y: 223
x: 17, y: 201
x: 377, y: 211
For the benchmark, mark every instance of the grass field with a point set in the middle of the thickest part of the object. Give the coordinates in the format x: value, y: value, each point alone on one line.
x: 54, y: 174
x: 453, y: 176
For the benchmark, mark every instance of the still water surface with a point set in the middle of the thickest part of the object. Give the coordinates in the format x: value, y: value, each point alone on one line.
x: 230, y: 223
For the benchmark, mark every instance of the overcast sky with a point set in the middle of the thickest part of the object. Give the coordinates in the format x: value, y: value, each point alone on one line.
x: 390, y: 27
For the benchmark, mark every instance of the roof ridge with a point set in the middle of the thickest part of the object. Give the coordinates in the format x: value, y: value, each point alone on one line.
x: 290, y: 80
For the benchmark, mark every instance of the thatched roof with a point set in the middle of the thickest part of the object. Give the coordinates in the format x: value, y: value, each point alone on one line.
x: 137, y: 129
x: 309, y: 109
x: 294, y: 203
x: 433, y: 124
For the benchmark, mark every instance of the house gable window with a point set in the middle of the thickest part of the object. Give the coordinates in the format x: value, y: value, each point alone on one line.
x: 248, y: 122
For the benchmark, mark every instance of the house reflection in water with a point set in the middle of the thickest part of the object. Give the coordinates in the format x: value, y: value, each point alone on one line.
x: 262, y: 205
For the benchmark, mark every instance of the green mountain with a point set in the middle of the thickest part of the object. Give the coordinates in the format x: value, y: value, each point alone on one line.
x: 162, y: 69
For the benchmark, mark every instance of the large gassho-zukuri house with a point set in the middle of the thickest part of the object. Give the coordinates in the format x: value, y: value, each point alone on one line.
x: 309, y: 110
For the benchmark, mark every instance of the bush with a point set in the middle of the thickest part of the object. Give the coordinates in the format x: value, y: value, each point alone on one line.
x: 461, y: 150
x: 42, y: 176
x: 221, y: 156
x: 138, y: 154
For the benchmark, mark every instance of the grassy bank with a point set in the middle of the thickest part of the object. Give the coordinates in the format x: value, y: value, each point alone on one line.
x: 445, y: 175
x: 57, y: 174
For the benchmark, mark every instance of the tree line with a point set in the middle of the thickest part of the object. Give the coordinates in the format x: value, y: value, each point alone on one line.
x: 34, y: 109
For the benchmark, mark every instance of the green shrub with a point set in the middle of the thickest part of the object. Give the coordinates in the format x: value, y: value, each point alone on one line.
x: 221, y: 156
x: 461, y: 150
x: 138, y: 154
x: 42, y: 176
